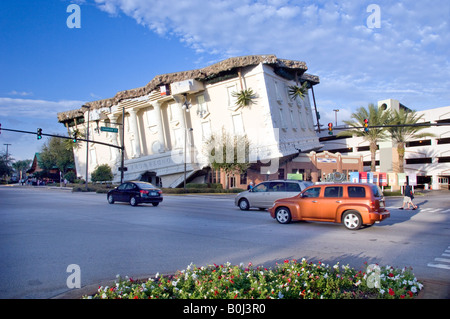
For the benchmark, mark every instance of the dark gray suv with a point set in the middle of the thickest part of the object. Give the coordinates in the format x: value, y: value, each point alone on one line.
x: 264, y: 194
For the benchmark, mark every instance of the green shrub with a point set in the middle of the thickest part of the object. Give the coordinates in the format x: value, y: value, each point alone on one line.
x: 102, y: 173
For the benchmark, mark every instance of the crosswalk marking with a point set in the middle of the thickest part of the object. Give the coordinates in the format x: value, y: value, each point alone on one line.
x: 443, y: 263
x: 424, y: 210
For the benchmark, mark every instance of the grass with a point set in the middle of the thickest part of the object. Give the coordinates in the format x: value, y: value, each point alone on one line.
x: 289, y: 280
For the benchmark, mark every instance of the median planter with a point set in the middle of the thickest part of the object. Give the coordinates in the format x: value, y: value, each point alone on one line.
x: 289, y: 280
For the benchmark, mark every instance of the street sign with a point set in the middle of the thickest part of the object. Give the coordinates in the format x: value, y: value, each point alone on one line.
x: 109, y: 129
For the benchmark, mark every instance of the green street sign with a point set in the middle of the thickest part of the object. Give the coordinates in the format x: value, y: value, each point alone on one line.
x: 109, y: 129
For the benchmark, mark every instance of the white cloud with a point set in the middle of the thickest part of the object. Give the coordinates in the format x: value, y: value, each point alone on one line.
x: 18, y: 107
x: 406, y: 58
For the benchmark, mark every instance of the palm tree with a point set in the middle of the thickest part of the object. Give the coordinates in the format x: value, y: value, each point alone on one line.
x: 21, y: 167
x: 404, y: 131
x: 376, y: 116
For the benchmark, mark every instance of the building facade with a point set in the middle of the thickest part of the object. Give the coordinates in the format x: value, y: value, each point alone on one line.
x: 164, y: 125
x: 426, y: 160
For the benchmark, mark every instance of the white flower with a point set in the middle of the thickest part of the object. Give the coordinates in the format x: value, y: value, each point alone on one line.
x: 280, y: 295
x: 413, y: 289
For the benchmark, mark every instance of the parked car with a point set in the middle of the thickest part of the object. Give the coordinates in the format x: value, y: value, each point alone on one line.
x: 135, y: 192
x: 264, y: 194
x: 352, y: 204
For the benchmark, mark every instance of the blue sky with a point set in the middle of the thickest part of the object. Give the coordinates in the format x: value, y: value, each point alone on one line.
x: 47, y: 67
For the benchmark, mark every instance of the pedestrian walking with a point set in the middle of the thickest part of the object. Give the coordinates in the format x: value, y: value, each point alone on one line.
x: 408, y: 196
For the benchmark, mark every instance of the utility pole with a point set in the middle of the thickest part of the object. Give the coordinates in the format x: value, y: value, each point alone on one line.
x: 7, y: 150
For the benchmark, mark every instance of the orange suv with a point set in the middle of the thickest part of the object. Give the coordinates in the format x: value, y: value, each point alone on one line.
x: 352, y: 204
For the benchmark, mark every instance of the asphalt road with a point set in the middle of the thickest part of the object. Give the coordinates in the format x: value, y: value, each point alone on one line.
x: 42, y: 231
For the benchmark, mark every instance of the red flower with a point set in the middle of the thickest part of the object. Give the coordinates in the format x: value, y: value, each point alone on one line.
x: 410, y: 293
x: 391, y: 275
x: 391, y: 292
x: 136, y: 297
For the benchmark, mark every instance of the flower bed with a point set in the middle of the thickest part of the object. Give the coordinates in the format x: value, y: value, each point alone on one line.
x: 290, y: 280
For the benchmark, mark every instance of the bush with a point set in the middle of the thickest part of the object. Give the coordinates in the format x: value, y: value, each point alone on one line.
x: 290, y: 280
x: 102, y: 173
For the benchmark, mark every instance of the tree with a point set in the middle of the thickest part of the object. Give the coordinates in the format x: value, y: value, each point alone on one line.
x: 56, y: 153
x: 405, y: 132
x: 21, y: 167
x: 5, y: 166
x: 229, y: 153
x: 298, y: 91
x: 376, y: 116
x: 102, y: 173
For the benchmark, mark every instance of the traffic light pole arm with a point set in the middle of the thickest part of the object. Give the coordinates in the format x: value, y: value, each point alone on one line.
x: 65, y: 137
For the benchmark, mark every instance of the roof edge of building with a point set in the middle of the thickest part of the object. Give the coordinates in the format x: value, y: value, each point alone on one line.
x: 207, y: 72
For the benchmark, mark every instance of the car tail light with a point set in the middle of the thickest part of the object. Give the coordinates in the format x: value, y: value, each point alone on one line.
x: 143, y: 192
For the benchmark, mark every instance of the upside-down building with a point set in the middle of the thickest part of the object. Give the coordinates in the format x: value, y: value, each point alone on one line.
x: 164, y: 125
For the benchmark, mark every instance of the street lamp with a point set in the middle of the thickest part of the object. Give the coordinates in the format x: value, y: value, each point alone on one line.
x: 185, y: 107
x: 335, y: 115
x: 87, y: 144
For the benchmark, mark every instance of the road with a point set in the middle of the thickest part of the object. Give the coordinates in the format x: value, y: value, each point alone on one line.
x: 42, y: 231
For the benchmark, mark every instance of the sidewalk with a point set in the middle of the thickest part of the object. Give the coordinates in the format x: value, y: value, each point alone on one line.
x: 433, y: 289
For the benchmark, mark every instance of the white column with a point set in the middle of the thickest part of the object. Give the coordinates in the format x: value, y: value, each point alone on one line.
x: 134, y: 133
x: 161, y: 148
x: 115, y: 152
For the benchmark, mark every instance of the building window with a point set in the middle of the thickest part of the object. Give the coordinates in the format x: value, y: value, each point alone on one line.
x: 238, y: 125
x: 232, y: 181
x: 278, y: 93
x: 422, y: 160
x: 445, y: 140
x: 243, y: 179
x: 202, y: 108
x: 293, y: 121
x: 178, y: 138
x: 231, y: 100
x: 283, y: 124
x: 151, y: 119
x: 418, y: 143
x: 206, y: 130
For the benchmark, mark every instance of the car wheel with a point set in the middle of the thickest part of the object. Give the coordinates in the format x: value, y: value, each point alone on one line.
x: 283, y: 215
x: 110, y: 199
x: 243, y: 204
x: 352, y: 220
x: 133, y: 201
x: 155, y: 204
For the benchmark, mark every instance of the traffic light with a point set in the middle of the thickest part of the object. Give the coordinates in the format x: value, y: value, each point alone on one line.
x: 74, y: 137
x: 39, y: 133
x: 366, y: 125
x: 330, y: 128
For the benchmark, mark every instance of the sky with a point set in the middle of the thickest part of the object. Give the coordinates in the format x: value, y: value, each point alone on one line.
x: 363, y: 52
